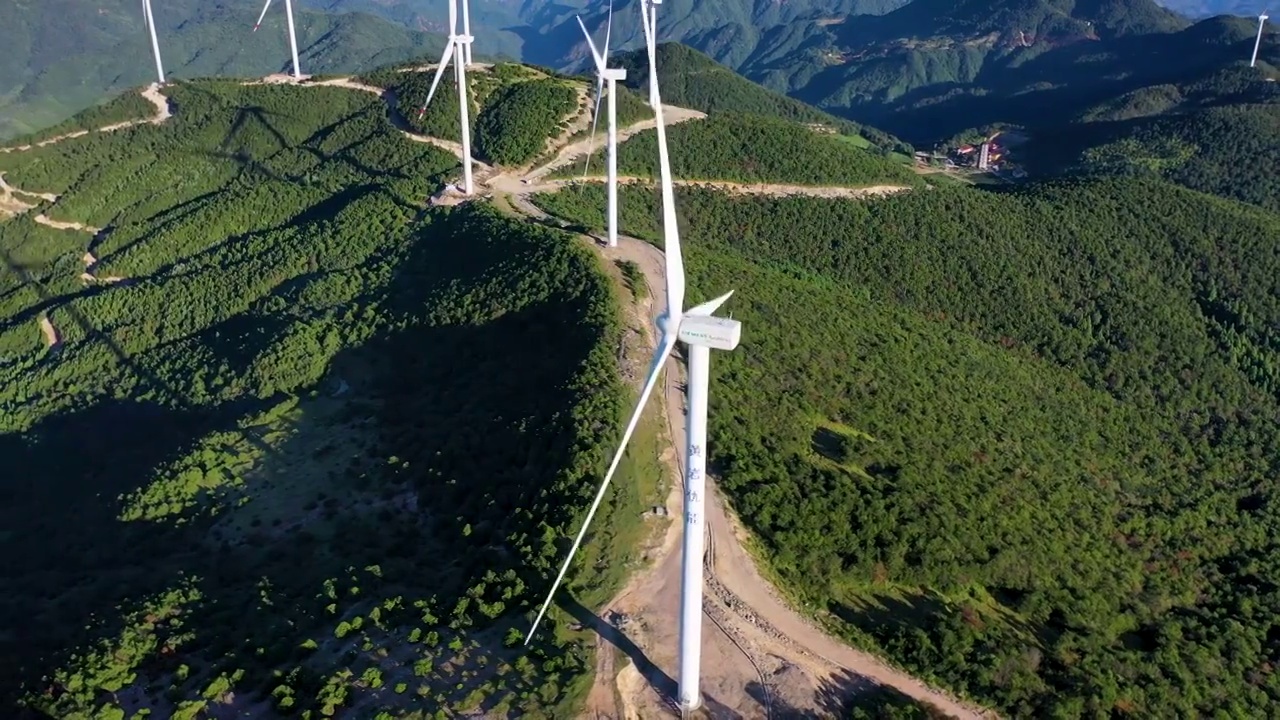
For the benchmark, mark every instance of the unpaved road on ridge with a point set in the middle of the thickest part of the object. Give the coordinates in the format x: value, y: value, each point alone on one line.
x: 657, y: 589
x: 152, y: 95
x: 730, y: 187
x: 574, y: 150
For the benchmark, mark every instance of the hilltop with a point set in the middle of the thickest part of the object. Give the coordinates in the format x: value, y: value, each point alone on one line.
x: 60, y: 60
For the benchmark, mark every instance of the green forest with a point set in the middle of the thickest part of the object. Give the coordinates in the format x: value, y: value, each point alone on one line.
x: 287, y: 463
x: 514, y: 126
x: 754, y: 148
x: 1021, y: 442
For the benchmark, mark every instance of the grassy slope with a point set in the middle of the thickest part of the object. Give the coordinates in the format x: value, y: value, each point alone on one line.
x: 61, y: 60
x: 257, y: 468
x: 752, y: 148
x: 691, y: 79
x: 1013, y: 440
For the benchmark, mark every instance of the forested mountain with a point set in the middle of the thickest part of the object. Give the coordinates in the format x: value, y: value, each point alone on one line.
x: 1220, y: 136
x: 60, y: 59
x: 925, y: 76
x: 1022, y: 441
x: 274, y: 453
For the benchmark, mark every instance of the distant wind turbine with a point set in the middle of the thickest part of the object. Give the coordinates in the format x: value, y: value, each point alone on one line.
x: 700, y: 331
x: 459, y: 46
x: 649, y: 20
x: 293, y: 36
x: 1262, y: 20
x: 607, y: 76
x: 150, y: 21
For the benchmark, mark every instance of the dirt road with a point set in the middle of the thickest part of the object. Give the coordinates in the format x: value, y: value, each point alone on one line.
x: 151, y: 93
x: 673, y: 115
x: 724, y: 186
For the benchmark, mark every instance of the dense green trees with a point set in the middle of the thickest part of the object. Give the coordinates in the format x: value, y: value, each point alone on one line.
x: 1020, y: 441
x: 1231, y: 151
x: 515, y: 124
x: 293, y: 459
x: 753, y: 148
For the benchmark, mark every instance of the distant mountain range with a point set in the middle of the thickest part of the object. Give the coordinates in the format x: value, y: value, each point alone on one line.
x: 1209, y: 8
x: 921, y: 70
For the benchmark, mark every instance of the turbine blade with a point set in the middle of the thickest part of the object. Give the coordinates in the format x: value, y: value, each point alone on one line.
x: 444, y: 62
x: 644, y: 21
x: 264, y: 14
x: 594, y: 54
x: 670, y: 231
x: 608, y: 29
x: 710, y: 306
x: 453, y: 18
x: 595, y: 118
x: 659, y: 360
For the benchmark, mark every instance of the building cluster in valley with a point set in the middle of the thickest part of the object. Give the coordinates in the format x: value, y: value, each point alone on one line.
x: 991, y: 155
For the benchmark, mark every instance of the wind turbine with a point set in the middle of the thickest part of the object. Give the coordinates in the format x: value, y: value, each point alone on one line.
x: 649, y: 20
x: 293, y: 36
x: 1262, y: 20
x: 466, y: 29
x: 155, y: 43
x: 610, y: 76
x: 700, y: 331
x: 460, y: 46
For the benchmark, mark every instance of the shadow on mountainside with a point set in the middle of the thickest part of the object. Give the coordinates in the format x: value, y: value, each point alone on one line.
x: 449, y: 443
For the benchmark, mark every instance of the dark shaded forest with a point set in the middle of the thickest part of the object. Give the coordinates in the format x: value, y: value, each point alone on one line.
x: 1022, y: 442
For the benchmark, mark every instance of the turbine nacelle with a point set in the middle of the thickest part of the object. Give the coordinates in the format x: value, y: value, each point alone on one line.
x: 615, y: 74
x: 714, y: 332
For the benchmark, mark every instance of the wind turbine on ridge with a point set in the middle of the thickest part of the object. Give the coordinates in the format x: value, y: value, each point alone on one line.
x: 1262, y: 20
x: 606, y: 76
x: 459, y: 46
x: 701, y: 332
x: 293, y: 36
x: 649, y: 20
x: 150, y: 22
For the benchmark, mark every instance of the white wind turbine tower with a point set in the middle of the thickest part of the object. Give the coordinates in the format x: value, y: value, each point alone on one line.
x: 293, y: 36
x: 607, y: 76
x: 1262, y: 20
x: 649, y: 20
x: 459, y: 46
x: 700, y: 331
x: 150, y: 21
x: 466, y: 30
